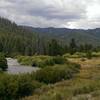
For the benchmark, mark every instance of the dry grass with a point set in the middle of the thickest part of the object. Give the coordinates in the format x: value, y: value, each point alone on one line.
x: 85, y: 86
x: 87, y: 63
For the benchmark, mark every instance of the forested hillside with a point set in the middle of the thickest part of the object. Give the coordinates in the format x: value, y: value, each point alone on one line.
x: 21, y: 40
x: 91, y: 36
x: 15, y: 39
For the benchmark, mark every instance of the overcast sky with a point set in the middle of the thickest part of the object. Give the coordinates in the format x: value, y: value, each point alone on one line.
x: 53, y: 13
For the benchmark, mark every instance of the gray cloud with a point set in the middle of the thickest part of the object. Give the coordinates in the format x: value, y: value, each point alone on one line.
x: 52, y: 13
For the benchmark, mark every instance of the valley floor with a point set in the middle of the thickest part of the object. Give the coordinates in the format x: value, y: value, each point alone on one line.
x: 84, y: 86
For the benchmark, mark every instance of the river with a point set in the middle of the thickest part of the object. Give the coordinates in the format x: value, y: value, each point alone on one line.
x: 15, y: 68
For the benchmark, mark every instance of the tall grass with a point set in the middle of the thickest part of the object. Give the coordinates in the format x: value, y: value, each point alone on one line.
x: 41, y: 61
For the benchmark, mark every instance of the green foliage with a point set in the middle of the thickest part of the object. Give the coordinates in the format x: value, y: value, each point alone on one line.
x: 65, y: 35
x: 25, y: 87
x: 96, y: 54
x: 89, y: 54
x: 57, y: 73
x: 24, y: 60
x: 14, y: 39
x: 41, y: 61
x: 19, y: 40
x: 3, y: 62
x: 73, y: 46
x: 49, y: 62
x: 13, y: 87
x: 55, y: 48
x: 59, y: 60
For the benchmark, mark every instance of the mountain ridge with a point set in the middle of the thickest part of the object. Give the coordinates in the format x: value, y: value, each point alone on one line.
x: 91, y: 36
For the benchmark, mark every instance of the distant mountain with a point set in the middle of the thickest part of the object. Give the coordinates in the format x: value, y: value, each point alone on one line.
x: 91, y: 36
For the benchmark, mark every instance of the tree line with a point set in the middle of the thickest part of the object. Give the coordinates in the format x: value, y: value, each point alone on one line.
x: 57, y: 49
x: 15, y: 40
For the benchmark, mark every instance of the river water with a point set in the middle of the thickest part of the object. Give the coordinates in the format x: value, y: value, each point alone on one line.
x: 15, y: 68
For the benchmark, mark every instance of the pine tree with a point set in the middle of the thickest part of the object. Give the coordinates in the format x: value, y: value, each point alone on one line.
x: 73, y: 46
x: 54, y: 48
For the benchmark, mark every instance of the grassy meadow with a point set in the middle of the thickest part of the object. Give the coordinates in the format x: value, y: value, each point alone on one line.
x: 84, y: 86
x: 52, y: 70
x: 67, y: 77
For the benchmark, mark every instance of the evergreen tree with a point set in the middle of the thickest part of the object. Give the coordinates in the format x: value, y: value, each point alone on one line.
x: 73, y: 46
x: 54, y: 48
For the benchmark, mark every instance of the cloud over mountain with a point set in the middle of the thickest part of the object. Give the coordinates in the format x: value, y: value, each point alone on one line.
x: 53, y: 13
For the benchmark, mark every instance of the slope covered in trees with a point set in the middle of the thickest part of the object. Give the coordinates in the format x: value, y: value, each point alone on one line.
x: 15, y: 39
x: 91, y: 36
x: 20, y: 40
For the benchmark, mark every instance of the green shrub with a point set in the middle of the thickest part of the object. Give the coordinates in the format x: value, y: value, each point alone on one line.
x: 56, y: 73
x: 59, y: 60
x: 13, y: 87
x: 96, y: 54
x: 50, y: 62
x: 89, y: 55
x: 25, y: 60
x: 3, y: 62
x: 42, y: 61
x: 39, y: 61
x: 76, y: 55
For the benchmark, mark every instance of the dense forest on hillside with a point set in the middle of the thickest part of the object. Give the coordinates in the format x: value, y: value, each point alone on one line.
x: 15, y: 39
x: 19, y: 40
x: 90, y: 36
